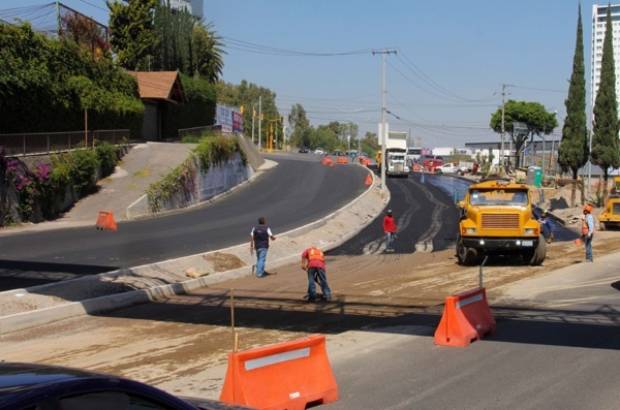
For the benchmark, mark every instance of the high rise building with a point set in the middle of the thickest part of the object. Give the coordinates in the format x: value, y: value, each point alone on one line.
x: 599, y: 20
x: 195, y: 7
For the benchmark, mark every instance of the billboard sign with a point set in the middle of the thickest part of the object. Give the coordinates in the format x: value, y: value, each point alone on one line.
x: 228, y: 118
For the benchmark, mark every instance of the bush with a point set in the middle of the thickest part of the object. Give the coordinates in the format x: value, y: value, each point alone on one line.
x: 56, y: 79
x: 210, y: 151
x: 197, y: 111
x: 107, y: 155
x: 215, y: 149
x: 83, y: 171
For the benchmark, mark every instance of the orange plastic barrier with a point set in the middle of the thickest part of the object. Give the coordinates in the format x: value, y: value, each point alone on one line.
x: 466, y: 317
x: 327, y: 161
x: 417, y: 168
x: 105, y: 221
x: 342, y: 160
x: 288, y: 375
x: 368, y: 181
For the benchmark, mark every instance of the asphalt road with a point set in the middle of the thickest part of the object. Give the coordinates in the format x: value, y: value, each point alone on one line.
x: 562, y: 351
x: 424, y: 211
x: 298, y: 191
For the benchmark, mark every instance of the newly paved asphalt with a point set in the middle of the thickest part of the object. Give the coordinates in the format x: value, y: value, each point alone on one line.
x: 298, y: 191
x: 415, y: 201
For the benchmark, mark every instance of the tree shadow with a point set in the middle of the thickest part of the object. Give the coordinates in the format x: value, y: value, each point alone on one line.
x: 262, y: 310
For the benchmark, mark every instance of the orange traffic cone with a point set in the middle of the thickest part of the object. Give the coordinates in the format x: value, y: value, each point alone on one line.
x: 368, y: 181
x: 105, y: 221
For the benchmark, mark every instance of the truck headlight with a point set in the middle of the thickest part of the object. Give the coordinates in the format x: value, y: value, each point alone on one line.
x: 531, y: 231
x: 470, y: 231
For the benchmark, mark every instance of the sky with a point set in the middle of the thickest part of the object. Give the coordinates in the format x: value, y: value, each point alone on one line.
x: 445, y: 80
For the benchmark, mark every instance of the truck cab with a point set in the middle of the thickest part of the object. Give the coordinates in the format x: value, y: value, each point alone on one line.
x: 395, y: 164
x: 497, y: 219
x: 610, y: 217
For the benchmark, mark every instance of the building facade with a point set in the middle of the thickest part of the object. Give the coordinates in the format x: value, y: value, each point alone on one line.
x: 195, y: 7
x: 599, y: 20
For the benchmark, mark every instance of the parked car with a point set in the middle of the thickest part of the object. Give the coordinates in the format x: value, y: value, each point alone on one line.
x: 303, y: 150
x: 33, y: 386
x: 319, y: 151
x: 448, y: 168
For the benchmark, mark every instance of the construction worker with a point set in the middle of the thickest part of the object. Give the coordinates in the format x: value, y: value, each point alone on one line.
x: 313, y: 262
x: 389, y: 228
x: 587, y: 231
x: 261, y: 234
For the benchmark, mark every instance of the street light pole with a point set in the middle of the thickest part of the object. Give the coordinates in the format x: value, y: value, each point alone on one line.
x: 384, y: 54
x: 260, y: 120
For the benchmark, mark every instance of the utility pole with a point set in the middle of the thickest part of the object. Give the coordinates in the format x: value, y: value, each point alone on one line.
x: 590, y: 160
x: 501, y: 154
x: 253, y: 115
x: 384, y: 53
x: 58, y: 18
x: 260, y: 120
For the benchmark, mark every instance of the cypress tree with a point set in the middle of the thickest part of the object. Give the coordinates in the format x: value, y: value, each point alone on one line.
x: 573, y: 152
x: 605, y: 145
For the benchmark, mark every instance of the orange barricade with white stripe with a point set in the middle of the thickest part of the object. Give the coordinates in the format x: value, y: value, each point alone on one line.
x: 288, y: 375
x: 466, y: 317
x: 342, y: 160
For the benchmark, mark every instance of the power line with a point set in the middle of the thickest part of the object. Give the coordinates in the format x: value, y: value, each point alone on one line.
x: 248, y: 46
x: 547, y: 90
x: 417, y: 71
x: 93, y: 5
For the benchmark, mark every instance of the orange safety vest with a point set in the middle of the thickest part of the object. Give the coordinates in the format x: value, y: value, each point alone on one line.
x: 315, y: 254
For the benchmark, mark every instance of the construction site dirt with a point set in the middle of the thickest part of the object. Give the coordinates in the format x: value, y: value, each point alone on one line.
x: 180, y: 344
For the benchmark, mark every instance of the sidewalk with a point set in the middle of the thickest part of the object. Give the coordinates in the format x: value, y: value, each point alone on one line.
x: 142, y: 166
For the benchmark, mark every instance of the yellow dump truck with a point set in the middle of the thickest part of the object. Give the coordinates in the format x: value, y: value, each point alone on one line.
x: 610, y: 217
x: 497, y: 219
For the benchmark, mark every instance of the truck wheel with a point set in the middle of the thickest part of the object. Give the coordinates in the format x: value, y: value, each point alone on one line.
x: 466, y: 256
x: 539, y: 253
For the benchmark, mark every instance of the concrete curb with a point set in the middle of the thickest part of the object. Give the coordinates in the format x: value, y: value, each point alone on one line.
x: 28, y: 319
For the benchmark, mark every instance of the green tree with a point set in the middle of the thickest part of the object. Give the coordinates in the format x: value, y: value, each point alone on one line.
x: 534, y: 115
x: 299, y: 123
x: 605, y: 131
x: 207, y: 52
x: 132, y: 32
x: 370, y: 144
x: 573, y: 152
x: 247, y: 94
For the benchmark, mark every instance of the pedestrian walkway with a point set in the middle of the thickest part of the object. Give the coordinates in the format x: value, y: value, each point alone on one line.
x: 143, y: 165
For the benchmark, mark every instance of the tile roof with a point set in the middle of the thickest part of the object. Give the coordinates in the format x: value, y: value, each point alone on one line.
x: 159, y: 85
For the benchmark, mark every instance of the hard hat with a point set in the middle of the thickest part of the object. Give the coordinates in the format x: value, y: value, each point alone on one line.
x: 389, y: 212
x: 587, y: 208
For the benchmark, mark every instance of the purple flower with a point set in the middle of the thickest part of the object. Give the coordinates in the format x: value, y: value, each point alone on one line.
x: 43, y: 172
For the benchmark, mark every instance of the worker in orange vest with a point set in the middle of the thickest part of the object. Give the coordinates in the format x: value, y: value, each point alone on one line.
x: 313, y: 262
x: 587, y: 231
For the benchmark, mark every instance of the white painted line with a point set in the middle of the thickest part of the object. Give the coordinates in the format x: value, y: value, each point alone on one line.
x: 469, y: 300
x: 277, y: 358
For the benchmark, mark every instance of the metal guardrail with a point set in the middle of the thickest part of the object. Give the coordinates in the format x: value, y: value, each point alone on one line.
x: 41, y: 143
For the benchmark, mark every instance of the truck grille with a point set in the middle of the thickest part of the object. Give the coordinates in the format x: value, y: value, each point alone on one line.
x: 616, y: 209
x: 500, y: 221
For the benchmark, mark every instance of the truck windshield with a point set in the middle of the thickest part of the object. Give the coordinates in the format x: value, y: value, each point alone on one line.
x: 397, y: 157
x: 498, y: 197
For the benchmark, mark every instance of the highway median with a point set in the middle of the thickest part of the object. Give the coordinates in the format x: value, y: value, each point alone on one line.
x: 26, y: 308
